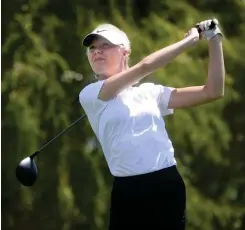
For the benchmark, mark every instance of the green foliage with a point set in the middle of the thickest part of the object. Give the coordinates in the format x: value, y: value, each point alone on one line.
x: 44, y: 69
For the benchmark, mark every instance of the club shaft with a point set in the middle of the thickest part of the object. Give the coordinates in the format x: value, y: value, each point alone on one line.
x: 58, y: 135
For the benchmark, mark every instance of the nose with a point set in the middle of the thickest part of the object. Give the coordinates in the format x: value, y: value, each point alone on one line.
x: 97, y: 51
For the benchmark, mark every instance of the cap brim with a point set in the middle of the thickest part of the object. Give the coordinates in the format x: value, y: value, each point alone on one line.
x: 111, y: 37
x: 89, y: 39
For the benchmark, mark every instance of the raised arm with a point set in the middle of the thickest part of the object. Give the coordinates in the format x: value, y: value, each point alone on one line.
x: 214, y: 87
x: 113, y: 85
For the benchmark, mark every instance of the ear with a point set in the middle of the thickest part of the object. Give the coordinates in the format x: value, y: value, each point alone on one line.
x: 125, y: 53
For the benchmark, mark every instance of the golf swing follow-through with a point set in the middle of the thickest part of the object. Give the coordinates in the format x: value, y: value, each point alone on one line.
x: 26, y: 171
x: 128, y: 121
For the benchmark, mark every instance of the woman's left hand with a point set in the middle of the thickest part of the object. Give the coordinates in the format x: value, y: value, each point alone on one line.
x: 209, y: 29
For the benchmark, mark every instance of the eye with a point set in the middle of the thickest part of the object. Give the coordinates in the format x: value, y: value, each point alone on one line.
x: 105, y: 45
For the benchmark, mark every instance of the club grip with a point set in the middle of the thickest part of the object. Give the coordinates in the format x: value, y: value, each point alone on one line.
x: 212, y: 25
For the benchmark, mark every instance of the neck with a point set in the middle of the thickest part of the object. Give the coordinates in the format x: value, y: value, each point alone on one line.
x: 106, y: 76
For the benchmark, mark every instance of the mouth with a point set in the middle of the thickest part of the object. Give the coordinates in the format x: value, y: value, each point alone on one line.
x: 99, y: 60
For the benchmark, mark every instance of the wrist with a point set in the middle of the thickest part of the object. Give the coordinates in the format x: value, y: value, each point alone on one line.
x: 215, y: 39
x: 190, y: 41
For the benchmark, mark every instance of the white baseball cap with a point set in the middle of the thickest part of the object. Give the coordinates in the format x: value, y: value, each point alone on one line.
x: 109, y: 32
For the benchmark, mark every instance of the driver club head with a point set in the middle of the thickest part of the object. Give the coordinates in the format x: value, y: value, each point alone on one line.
x: 26, y: 172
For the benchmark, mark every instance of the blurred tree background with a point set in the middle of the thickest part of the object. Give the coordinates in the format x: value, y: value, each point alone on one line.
x: 44, y: 68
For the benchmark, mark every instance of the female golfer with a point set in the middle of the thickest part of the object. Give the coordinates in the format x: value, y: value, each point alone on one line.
x: 148, y: 191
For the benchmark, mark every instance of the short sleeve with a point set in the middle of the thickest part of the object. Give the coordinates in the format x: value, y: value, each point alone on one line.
x: 89, y: 100
x: 163, y: 99
x: 162, y: 95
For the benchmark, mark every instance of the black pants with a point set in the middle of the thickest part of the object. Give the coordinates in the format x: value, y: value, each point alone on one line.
x: 151, y: 201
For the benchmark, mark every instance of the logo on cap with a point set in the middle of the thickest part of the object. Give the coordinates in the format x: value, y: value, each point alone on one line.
x: 99, y: 31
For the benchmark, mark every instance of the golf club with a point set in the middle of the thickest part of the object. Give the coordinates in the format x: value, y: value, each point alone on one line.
x: 27, y: 171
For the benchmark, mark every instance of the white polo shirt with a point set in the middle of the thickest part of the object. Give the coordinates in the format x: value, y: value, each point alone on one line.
x: 131, y: 128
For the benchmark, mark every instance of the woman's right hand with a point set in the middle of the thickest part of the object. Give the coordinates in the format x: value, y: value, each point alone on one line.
x: 194, y: 34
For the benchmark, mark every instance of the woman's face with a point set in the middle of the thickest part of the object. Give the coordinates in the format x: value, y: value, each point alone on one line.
x: 105, y: 58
